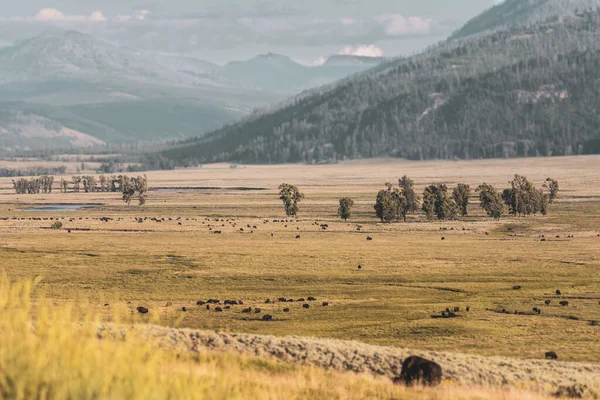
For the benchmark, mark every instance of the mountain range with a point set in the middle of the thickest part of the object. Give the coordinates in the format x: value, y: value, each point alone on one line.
x: 63, y: 89
x: 498, y: 89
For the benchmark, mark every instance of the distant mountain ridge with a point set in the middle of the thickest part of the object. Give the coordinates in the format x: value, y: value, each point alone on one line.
x: 526, y: 91
x: 68, y: 88
x: 279, y: 73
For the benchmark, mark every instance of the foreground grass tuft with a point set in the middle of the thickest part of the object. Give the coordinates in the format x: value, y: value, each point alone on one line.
x: 51, y: 352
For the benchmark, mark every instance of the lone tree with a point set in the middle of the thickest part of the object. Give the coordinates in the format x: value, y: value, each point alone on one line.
x: 490, y: 201
x: 408, y: 199
x: 345, y: 210
x: 552, y: 186
x: 437, y: 203
x: 461, y: 194
x: 291, y: 196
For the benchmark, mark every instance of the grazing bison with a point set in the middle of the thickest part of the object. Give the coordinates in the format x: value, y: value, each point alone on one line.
x: 300, y: 300
x: 208, y: 306
x: 286, y: 310
x: 297, y: 236
x: 169, y: 304
x: 257, y: 310
x: 305, y: 306
x: 456, y: 309
x: 282, y: 299
x: 558, y: 293
x: 218, y: 309
x: 142, y: 310
x: 369, y: 239
x: 417, y: 370
x: 200, y: 303
x: 183, y: 309
x: 267, y: 317
x: 517, y: 287
x: 547, y: 302
x: 247, y: 310
x: 268, y: 301
x: 325, y: 304
x: 564, y: 303
x: 551, y: 355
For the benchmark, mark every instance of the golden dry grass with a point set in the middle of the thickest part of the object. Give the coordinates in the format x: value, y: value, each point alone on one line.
x: 61, y: 356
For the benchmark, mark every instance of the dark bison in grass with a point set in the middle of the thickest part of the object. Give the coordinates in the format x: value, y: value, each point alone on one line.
x: 419, y: 371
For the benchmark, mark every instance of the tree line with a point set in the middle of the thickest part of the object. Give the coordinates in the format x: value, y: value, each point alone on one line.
x: 129, y: 187
x: 439, y: 202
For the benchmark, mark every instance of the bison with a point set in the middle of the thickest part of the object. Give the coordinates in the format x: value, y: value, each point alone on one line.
x: 547, y: 302
x: 305, y: 306
x: 417, y: 370
x: 564, y: 303
x: 551, y: 355
x: 142, y: 310
x: 267, y: 317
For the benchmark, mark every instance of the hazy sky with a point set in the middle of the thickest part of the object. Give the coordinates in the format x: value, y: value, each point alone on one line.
x: 225, y: 30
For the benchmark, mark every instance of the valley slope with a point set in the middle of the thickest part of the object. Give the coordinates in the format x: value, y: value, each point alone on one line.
x: 527, y: 91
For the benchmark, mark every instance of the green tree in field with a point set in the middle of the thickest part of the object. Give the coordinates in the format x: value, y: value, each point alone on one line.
x: 345, y: 210
x: 552, y: 186
x: 408, y: 200
x: 386, y: 206
x: 291, y: 196
x: 522, y: 198
x: 490, y: 201
x: 437, y: 203
x: 461, y: 194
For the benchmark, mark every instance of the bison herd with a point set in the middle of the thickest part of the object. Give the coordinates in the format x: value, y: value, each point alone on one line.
x: 227, y: 304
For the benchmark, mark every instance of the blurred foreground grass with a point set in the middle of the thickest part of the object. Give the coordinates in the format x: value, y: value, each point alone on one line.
x: 51, y: 352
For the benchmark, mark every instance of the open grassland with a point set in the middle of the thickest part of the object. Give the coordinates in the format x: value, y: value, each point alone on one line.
x: 64, y: 356
x: 408, y: 273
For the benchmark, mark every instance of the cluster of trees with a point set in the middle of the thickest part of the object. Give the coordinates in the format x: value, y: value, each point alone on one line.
x: 130, y: 187
x: 90, y: 183
x: 133, y: 187
x: 522, y: 198
x: 395, y: 203
x: 527, y: 91
x: 438, y: 202
x: 43, y: 184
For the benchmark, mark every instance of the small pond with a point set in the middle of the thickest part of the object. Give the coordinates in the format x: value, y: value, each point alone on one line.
x: 59, y: 207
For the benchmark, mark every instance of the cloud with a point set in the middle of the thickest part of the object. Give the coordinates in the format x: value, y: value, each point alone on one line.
x: 398, y: 25
x: 347, y: 21
x: 363, y: 50
x: 52, y: 14
x: 138, y: 15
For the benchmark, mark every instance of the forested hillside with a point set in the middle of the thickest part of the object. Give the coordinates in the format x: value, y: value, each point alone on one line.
x: 510, y: 13
x: 526, y: 91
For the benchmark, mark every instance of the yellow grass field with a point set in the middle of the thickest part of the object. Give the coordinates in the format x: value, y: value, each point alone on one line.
x: 408, y: 273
